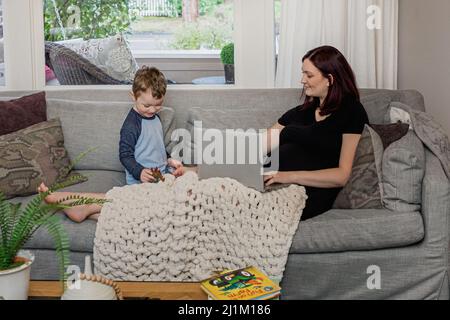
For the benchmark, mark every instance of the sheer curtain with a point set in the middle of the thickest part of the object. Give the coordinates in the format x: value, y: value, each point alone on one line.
x: 365, y: 31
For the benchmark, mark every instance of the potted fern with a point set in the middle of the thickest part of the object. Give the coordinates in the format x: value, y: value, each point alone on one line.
x: 18, y: 225
x: 227, y: 58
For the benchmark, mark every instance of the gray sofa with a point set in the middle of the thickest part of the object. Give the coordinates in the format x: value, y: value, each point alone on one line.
x: 333, y: 256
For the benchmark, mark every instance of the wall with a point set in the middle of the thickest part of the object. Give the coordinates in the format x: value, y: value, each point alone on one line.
x: 424, y: 54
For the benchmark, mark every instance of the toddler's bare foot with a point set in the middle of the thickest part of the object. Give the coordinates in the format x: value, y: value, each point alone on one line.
x: 51, y: 198
x: 42, y: 188
x: 78, y: 213
x: 57, y: 196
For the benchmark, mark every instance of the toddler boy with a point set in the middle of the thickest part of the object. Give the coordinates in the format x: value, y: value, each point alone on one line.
x: 141, y: 146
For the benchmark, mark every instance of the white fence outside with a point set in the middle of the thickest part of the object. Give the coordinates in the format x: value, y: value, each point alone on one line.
x: 153, y: 8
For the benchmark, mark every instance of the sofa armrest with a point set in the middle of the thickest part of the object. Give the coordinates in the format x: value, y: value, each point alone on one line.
x: 435, y: 203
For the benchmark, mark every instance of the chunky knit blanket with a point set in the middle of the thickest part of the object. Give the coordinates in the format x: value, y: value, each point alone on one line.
x: 186, y: 229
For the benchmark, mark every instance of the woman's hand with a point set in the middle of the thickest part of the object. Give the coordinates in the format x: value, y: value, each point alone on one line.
x: 279, y: 177
x: 177, y: 165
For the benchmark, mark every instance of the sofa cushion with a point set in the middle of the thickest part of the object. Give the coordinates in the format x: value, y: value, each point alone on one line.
x: 81, y: 235
x: 33, y: 155
x: 99, y: 181
x: 234, y: 117
x: 22, y: 112
x: 200, y: 119
x: 350, y: 230
x: 96, y: 124
x: 403, y: 170
x: 362, y: 190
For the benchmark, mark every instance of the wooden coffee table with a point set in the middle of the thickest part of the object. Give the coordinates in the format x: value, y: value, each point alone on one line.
x: 130, y: 290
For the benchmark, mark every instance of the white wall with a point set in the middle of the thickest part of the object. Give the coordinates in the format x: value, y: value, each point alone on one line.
x: 424, y: 54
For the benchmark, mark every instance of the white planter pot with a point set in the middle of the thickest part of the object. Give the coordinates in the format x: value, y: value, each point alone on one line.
x: 89, y: 289
x: 14, y: 282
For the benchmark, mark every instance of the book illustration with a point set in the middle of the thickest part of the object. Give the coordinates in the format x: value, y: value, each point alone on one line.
x: 243, y: 284
x: 240, y: 279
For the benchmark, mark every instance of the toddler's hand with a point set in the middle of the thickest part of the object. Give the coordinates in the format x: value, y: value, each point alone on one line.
x: 177, y: 165
x: 146, y: 176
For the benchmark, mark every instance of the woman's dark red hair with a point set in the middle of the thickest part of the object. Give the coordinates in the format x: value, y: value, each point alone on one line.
x: 331, y: 62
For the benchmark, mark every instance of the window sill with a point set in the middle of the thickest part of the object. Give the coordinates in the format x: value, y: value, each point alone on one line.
x: 176, y: 54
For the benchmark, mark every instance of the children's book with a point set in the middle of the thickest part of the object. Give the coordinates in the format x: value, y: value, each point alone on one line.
x: 242, y: 284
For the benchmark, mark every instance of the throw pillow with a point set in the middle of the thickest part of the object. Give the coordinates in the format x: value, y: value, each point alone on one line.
x: 112, y: 55
x: 366, y: 189
x: 23, y: 112
x: 33, y: 155
x: 363, y: 190
x: 430, y: 132
x: 403, y: 168
x: 390, y: 132
x: 399, y: 115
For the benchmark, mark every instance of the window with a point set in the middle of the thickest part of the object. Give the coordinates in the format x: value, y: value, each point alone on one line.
x: 277, y: 25
x: 2, y: 55
x: 277, y: 12
x: 183, y: 38
x: 34, y: 21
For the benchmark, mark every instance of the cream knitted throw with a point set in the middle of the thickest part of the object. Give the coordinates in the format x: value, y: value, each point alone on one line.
x: 184, y: 229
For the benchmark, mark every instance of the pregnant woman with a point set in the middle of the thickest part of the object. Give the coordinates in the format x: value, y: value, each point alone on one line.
x: 318, y: 139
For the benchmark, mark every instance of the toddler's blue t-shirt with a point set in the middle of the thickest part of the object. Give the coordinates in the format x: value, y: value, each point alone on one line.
x: 141, y: 145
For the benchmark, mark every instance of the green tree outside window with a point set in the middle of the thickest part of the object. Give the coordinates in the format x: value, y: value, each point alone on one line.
x: 86, y: 19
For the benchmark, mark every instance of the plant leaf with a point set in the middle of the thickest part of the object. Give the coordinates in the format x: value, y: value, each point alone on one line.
x: 6, y: 226
x: 62, y: 244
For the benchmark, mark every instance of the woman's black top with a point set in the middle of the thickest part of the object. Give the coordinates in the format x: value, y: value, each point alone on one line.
x: 307, y: 144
